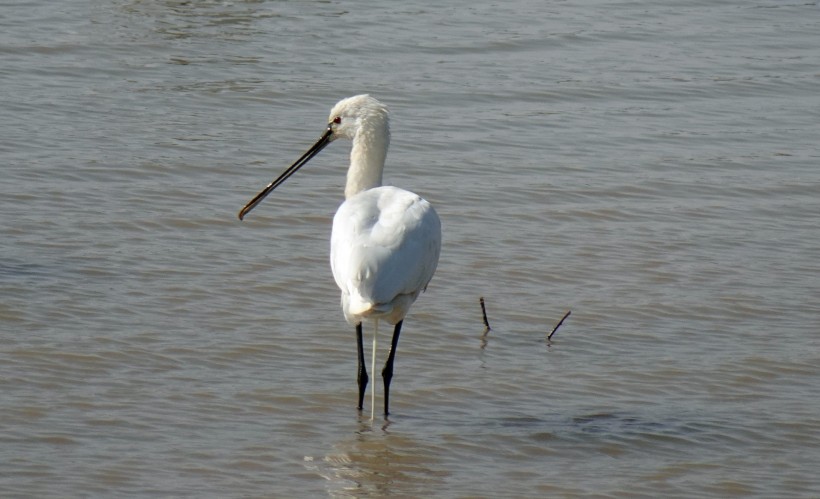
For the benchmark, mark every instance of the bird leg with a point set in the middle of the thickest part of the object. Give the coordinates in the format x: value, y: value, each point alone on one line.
x: 362, y: 376
x: 387, y: 372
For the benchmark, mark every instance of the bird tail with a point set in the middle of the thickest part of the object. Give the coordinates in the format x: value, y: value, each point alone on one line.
x: 359, y: 305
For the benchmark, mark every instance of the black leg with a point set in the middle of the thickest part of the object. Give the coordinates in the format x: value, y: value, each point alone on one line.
x: 387, y: 372
x: 362, y: 377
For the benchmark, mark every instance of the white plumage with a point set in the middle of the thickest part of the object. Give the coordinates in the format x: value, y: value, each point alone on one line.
x: 386, y: 241
x: 383, y: 252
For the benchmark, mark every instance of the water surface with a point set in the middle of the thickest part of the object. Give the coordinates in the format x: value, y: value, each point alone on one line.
x: 653, y: 168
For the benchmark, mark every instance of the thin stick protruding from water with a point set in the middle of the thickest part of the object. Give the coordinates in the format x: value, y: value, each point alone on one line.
x: 559, y: 324
x: 484, y: 313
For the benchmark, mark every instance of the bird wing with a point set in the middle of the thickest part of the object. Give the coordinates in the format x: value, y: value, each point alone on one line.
x: 385, y: 243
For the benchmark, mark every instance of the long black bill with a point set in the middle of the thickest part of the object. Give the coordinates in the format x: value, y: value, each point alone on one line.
x: 320, y: 144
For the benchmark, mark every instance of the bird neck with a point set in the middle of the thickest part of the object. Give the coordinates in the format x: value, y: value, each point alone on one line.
x: 366, y: 161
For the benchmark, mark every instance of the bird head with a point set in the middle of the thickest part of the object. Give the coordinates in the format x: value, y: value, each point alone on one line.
x: 360, y: 113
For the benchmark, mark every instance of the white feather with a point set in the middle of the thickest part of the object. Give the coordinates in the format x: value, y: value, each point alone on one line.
x: 384, y: 250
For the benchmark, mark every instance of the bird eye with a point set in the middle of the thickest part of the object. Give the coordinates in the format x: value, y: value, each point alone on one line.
x: 337, y: 119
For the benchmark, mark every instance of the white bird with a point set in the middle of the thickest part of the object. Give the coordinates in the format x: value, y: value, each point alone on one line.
x: 386, y: 241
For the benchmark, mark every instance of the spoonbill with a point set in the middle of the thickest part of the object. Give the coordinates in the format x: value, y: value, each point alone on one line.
x: 385, y: 242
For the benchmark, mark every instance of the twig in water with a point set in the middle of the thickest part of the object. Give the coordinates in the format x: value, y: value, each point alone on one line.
x: 559, y: 324
x: 484, y: 313
x: 484, y: 340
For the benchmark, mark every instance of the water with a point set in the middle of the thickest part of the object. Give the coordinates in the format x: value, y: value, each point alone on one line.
x: 653, y: 168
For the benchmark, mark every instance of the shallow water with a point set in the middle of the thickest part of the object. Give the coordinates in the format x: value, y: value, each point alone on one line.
x: 654, y: 169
